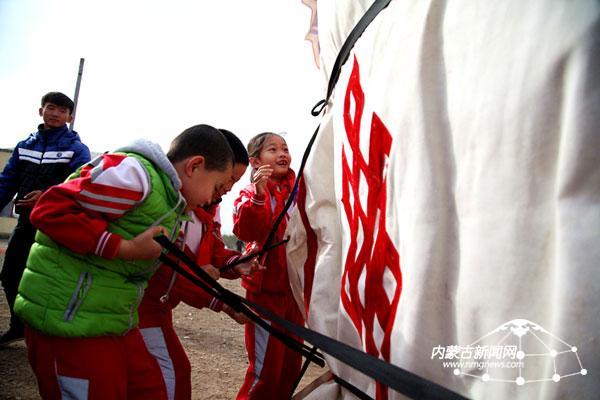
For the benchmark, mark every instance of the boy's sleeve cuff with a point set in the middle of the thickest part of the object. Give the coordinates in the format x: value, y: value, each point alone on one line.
x: 258, y: 199
x: 108, y: 245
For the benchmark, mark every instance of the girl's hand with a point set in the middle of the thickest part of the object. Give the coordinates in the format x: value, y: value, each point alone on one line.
x: 143, y: 246
x: 252, y: 265
x: 248, y: 268
x: 261, y: 177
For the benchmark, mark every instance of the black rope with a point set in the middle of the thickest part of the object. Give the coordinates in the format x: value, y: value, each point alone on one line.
x: 318, y: 108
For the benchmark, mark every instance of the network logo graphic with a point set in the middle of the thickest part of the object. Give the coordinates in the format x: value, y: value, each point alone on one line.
x: 518, y: 351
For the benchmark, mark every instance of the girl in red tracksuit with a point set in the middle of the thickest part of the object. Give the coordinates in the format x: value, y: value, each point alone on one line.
x: 166, y: 289
x: 273, y: 367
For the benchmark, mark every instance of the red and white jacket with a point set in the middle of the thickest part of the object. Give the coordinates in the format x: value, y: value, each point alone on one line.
x: 76, y: 213
x: 253, y: 218
x: 166, y: 289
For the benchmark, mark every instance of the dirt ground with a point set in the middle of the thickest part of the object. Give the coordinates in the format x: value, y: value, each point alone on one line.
x: 214, y: 344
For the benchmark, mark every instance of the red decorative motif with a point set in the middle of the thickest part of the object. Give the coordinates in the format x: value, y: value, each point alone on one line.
x: 372, y: 258
x: 311, y: 245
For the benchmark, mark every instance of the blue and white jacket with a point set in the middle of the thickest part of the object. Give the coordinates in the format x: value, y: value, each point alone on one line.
x: 42, y: 160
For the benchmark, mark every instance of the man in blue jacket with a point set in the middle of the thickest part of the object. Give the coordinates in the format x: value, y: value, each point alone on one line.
x: 44, y: 159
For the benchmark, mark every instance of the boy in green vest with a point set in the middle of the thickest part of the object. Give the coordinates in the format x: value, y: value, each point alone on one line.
x: 94, y: 254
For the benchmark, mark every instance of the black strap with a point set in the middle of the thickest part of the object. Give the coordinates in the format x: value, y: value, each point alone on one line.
x: 387, y: 374
x: 341, y: 58
x: 301, y: 374
x: 390, y: 375
x: 353, y: 389
x: 358, y: 30
x: 208, y: 284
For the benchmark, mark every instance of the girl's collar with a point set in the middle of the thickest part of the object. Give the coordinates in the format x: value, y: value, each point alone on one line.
x: 285, y: 183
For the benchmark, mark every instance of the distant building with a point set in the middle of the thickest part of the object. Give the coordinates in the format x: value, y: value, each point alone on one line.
x: 4, y: 156
x: 7, y: 218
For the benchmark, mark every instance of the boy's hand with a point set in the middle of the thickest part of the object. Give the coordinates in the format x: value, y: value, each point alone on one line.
x: 234, y: 315
x: 261, y: 177
x: 252, y: 265
x: 248, y: 268
x: 212, y: 271
x: 143, y: 246
x: 29, y: 200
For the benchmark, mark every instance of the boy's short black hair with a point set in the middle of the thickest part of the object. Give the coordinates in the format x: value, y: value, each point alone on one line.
x: 239, y: 150
x: 202, y: 140
x: 59, y: 99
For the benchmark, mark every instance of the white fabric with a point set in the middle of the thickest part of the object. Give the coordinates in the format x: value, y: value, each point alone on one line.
x: 129, y: 174
x: 493, y: 183
x: 156, y: 344
x: 154, y: 153
x: 193, y: 235
x: 73, y: 388
x: 49, y: 157
x: 261, y: 342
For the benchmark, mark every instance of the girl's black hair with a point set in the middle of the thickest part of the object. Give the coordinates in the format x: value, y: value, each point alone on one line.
x: 256, y: 144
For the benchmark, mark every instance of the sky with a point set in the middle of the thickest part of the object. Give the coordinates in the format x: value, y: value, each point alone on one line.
x: 153, y: 68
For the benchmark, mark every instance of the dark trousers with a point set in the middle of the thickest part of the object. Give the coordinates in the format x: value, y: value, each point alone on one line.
x: 15, y: 259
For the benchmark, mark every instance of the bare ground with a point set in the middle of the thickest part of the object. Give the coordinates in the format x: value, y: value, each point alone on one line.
x: 214, y: 344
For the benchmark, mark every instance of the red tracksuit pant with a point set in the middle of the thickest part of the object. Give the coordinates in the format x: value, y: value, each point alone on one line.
x: 95, y: 368
x: 274, y: 367
x: 162, y: 342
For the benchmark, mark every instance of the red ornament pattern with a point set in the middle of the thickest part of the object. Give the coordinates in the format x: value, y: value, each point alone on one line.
x: 372, y: 267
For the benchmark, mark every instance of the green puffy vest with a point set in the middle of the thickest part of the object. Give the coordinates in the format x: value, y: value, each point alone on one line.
x: 66, y: 294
